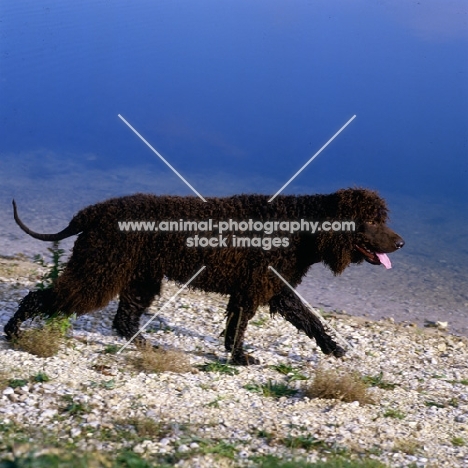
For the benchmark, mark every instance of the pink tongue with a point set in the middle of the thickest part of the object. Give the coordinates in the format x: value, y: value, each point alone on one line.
x: 384, y: 260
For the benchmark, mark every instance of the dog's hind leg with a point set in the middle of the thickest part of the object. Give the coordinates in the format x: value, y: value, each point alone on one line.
x: 289, y: 306
x: 239, y: 312
x: 36, y: 303
x: 134, y: 300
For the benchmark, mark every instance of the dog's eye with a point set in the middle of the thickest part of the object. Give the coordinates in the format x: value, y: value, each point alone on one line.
x: 372, y: 223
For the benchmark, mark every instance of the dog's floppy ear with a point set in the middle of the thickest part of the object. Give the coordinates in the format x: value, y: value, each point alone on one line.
x: 361, y: 205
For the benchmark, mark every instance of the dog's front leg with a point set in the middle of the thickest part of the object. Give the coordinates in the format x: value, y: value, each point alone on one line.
x: 289, y: 306
x: 135, y: 298
x: 239, y: 312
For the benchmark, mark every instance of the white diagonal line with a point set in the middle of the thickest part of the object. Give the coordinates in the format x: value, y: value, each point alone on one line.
x: 317, y: 314
x: 312, y: 158
x: 160, y: 156
x: 166, y: 304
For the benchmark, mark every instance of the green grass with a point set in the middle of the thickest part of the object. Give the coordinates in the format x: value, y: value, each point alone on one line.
x: 272, y: 389
x: 270, y: 461
x: 125, y: 459
x: 260, y: 321
x: 306, y: 442
x: 221, y: 448
x: 434, y: 403
x: 454, y: 402
x: 40, y: 377
x: 219, y: 367
x: 106, y: 384
x: 288, y: 370
x: 458, y: 441
x: 378, y: 381
x: 214, y: 403
x: 58, y: 452
x: 111, y: 349
x: 149, y: 428
x: 74, y: 408
x: 392, y: 413
x: 15, y: 383
x: 444, y: 377
x: 268, y: 436
x: 53, y: 269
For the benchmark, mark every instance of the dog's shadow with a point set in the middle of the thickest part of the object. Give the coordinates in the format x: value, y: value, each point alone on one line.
x: 161, y: 323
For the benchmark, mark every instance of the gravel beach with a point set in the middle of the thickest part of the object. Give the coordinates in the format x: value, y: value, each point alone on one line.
x: 419, y: 383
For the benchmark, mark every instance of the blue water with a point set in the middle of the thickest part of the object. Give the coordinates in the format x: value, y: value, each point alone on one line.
x: 237, y: 96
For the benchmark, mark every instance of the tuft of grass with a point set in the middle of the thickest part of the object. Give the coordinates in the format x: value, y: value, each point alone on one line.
x: 378, y: 381
x: 106, y: 384
x: 53, y: 269
x: 128, y: 459
x: 46, y: 341
x: 214, y: 403
x: 217, y: 366
x: 260, y: 321
x: 344, y: 387
x: 408, y: 446
x: 302, y: 441
x: 268, y: 436
x: 15, y: 383
x: 434, y: 403
x: 272, y: 389
x: 74, y: 408
x: 444, y: 377
x: 288, y: 370
x: 148, y: 428
x: 149, y: 359
x: 40, y: 377
x: 111, y: 349
x: 453, y: 402
x: 220, y: 448
x: 458, y: 441
x: 392, y: 413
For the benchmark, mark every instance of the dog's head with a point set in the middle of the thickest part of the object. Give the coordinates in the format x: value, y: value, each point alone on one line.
x: 371, y: 239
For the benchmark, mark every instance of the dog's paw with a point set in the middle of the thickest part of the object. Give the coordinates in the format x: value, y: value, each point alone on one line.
x: 339, y: 351
x: 11, y: 331
x: 244, y: 359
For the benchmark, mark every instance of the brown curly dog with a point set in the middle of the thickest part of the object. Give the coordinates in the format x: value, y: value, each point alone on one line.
x: 108, y: 260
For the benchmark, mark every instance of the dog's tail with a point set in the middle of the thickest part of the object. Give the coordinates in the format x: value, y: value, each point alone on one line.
x: 69, y: 231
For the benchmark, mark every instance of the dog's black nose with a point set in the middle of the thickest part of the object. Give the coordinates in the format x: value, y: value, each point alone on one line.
x: 399, y: 244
